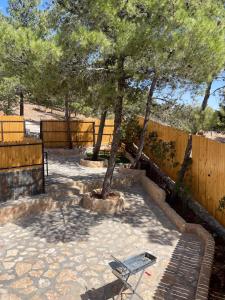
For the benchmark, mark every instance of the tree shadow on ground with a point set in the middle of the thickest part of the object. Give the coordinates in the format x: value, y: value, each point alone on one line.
x: 74, y: 223
x: 108, y: 291
x: 180, y: 278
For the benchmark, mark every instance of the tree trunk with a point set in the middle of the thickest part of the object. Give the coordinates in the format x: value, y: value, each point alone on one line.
x: 146, y: 120
x: 67, y: 119
x: 21, y: 103
x: 117, y: 131
x: 183, y: 169
x: 100, y: 134
x: 187, y: 156
x: 206, y: 97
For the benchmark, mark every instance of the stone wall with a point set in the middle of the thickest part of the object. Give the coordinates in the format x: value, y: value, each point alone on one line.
x: 20, y: 182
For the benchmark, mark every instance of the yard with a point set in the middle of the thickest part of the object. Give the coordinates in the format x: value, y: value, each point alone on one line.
x: 64, y: 253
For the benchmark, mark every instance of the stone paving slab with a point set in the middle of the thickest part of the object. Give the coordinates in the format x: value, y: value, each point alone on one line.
x: 64, y: 254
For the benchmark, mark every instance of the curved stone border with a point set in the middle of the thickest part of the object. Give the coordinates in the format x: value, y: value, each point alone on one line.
x: 105, y: 206
x: 158, y: 195
x: 94, y: 164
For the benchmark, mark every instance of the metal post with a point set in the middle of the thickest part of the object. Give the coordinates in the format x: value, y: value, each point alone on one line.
x: 46, y: 162
x: 43, y: 168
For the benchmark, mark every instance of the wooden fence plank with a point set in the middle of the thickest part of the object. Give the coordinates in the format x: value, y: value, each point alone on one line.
x: 12, y: 128
x: 21, y: 154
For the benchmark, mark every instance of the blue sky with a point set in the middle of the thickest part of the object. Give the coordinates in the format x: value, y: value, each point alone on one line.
x: 213, y: 101
x: 3, y: 5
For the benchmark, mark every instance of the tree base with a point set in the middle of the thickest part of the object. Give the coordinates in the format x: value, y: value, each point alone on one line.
x: 114, y: 203
x: 94, y: 163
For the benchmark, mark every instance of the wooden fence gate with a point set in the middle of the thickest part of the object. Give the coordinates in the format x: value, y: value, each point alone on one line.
x: 62, y: 134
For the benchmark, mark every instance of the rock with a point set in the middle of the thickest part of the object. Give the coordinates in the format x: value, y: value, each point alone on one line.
x: 38, y: 265
x: 50, y: 274
x: 54, y: 266
x: 8, y: 265
x: 22, y: 268
x: 29, y: 290
x: 51, y: 295
x: 12, y: 252
x: 11, y: 297
x: 63, y: 289
x: 22, y: 283
x: 5, y: 277
x: 43, y: 283
x: 36, y: 274
x: 66, y: 275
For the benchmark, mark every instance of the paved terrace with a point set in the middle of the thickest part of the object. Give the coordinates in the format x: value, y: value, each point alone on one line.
x: 64, y: 254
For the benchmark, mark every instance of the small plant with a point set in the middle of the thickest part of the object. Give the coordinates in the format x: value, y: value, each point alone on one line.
x: 221, y: 207
x: 163, y: 152
x: 130, y: 130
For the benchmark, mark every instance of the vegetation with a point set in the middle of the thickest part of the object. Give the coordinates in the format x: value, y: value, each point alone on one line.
x: 114, y: 57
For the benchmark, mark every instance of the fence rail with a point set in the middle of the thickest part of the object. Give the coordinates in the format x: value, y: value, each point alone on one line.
x: 206, y: 175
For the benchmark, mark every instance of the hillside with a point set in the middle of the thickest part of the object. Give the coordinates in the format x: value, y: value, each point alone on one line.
x: 35, y: 113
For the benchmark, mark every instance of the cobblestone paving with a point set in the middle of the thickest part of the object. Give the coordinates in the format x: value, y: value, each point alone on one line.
x: 64, y: 254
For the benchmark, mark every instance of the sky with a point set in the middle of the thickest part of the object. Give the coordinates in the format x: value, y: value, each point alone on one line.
x: 213, y: 101
x: 3, y: 5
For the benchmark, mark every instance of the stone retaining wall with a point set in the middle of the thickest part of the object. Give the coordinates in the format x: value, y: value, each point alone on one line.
x: 20, y: 182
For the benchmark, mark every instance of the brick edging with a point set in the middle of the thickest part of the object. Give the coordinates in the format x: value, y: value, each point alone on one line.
x: 184, y: 227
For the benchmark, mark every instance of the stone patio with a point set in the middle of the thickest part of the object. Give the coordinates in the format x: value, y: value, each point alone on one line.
x: 64, y: 254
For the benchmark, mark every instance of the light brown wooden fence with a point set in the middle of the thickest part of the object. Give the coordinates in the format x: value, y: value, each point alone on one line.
x: 208, y: 174
x: 23, y: 154
x: 12, y: 128
x: 107, y: 133
x: 167, y: 134
x: 207, y: 171
x: 57, y: 134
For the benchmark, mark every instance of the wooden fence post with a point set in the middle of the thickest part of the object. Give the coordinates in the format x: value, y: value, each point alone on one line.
x: 2, y: 131
x: 41, y: 133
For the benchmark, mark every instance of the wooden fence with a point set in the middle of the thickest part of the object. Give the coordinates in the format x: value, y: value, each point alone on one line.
x: 206, y: 175
x: 27, y: 153
x: 12, y: 128
x: 167, y: 134
x: 59, y: 134
x: 107, y: 133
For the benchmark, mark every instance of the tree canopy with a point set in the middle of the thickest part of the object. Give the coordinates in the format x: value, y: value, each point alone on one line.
x: 112, y: 54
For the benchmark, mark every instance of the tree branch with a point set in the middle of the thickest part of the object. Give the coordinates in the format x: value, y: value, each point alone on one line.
x: 222, y: 87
